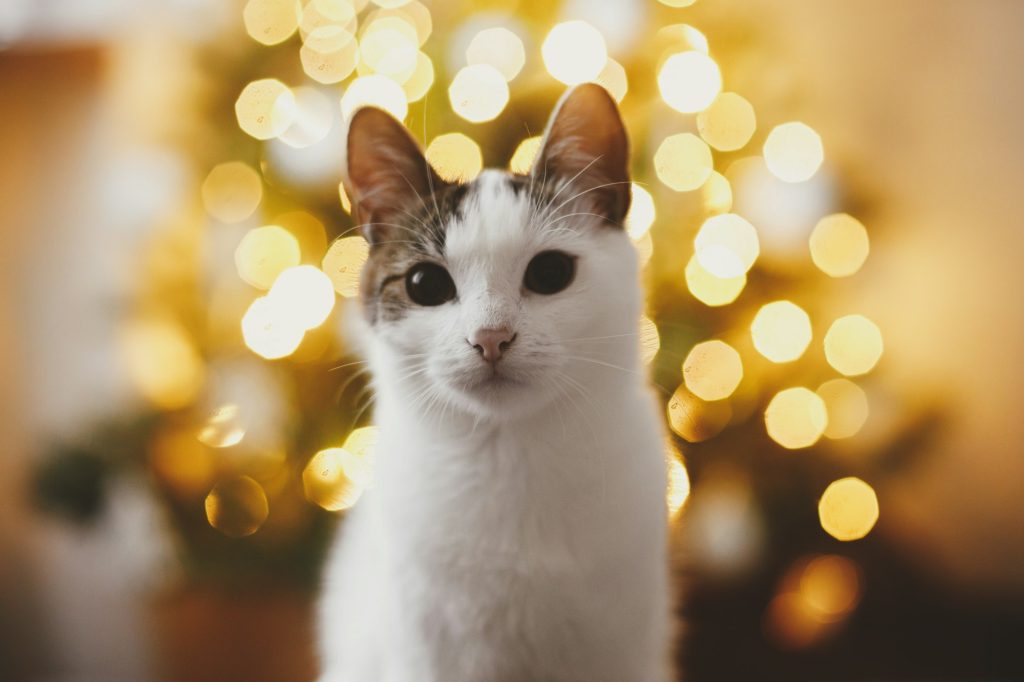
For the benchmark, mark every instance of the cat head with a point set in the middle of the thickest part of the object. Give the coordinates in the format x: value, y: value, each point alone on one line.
x: 500, y: 295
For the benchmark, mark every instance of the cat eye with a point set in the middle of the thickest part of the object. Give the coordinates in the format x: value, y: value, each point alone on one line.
x: 429, y: 284
x: 550, y: 272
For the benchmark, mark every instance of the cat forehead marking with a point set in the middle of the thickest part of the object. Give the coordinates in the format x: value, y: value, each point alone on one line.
x: 494, y: 216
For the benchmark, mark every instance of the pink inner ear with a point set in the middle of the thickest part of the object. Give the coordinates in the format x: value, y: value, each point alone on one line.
x: 586, y: 144
x: 387, y: 173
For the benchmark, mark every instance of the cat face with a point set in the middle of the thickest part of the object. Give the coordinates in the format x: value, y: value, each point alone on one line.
x: 502, y: 295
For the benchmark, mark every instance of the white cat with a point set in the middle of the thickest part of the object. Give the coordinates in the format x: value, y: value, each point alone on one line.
x: 516, y: 528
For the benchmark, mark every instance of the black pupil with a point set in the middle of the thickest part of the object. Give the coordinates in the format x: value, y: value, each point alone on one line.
x: 429, y: 284
x: 549, y: 272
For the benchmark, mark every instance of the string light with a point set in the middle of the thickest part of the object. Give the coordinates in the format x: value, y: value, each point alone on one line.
x: 574, y: 52
x: 329, y: 54
x: 526, y: 152
x: 478, y: 93
x: 305, y: 295
x: 232, y: 191
x: 847, y: 406
x: 716, y: 194
x: 695, y: 420
x: 710, y: 290
x: 689, y: 81
x: 728, y: 123
x: 455, y: 157
x: 678, y: 488
x: 683, y: 162
x: 781, y: 331
x: 853, y: 345
x: 378, y: 91
x: 326, y: 483
x: 726, y: 245
x: 500, y: 48
x: 614, y: 79
x: 712, y: 370
x: 344, y: 262
x: 269, y: 331
x: 793, y: 152
x: 839, y: 245
x: 650, y: 340
x: 270, y: 21
x: 237, y: 506
x: 641, y: 212
x: 389, y: 46
x: 420, y: 81
x: 796, y: 418
x: 848, y: 509
x: 223, y: 429
x: 265, y: 108
x: 264, y: 253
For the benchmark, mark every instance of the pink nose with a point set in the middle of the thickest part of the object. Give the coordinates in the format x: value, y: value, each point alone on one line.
x: 491, y: 343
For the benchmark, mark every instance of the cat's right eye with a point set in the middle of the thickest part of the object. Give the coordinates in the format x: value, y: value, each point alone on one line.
x: 429, y: 284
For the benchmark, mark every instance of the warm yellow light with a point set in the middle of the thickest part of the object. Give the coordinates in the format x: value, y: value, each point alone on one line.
x: 678, y: 489
x: 321, y: 13
x: 329, y: 54
x: 793, y: 152
x: 716, y: 194
x: 362, y: 442
x: 848, y: 509
x: 796, y: 418
x: 180, y: 460
x: 710, y: 290
x: 650, y: 340
x: 269, y: 331
x: 839, y: 245
x: 613, y: 78
x: 729, y: 123
x: 237, y: 506
x: 390, y: 4
x: 694, y: 419
x: 689, y: 81
x: 847, y: 405
x: 313, y: 118
x: 308, y: 231
x: 224, y: 428
x: 344, y: 263
x: 853, y: 345
x: 455, y: 157
x: 677, y: 3
x: 389, y: 46
x: 162, y: 362
x: 831, y: 586
x: 270, y: 21
x: 681, y: 38
x: 378, y: 91
x: 726, y: 245
x: 414, y: 13
x: 306, y: 294
x: 346, y: 203
x: 641, y: 213
x: 712, y: 370
x: 421, y: 79
x: 264, y: 253
x: 265, y: 108
x: 644, y: 249
x: 500, y: 48
x: 325, y: 480
x: 478, y: 93
x: 574, y: 52
x: 683, y: 162
x: 232, y: 191
x: 526, y: 152
x: 781, y: 331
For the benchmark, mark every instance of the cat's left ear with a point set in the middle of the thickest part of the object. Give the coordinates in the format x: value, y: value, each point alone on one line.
x: 586, y: 145
x: 386, y: 175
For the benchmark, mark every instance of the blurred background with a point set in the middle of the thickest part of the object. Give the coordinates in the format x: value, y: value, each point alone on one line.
x: 826, y: 206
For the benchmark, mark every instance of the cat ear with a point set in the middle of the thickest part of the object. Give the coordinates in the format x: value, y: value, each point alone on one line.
x: 385, y: 173
x: 586, y: 145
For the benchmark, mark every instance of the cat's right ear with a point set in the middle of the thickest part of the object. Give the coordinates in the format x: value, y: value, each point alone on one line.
x: 385, y: 173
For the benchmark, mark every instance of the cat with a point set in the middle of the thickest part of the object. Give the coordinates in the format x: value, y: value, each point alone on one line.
x: 516, y: 528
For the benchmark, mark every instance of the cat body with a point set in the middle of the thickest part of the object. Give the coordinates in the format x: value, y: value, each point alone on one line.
x: 516, y: 527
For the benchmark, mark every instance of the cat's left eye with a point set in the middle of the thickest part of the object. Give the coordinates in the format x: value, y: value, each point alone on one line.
x: 550, y: 272
x: 429, y: 284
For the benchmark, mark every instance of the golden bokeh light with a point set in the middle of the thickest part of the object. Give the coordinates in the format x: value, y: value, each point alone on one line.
x: 455, y: 157
x: 848, y: 509
x: 421, y: 80
x: 326, y: 483
x: 306, y: 293
x: 781, y: 331
x: 793, y: 152
x: 726, y: 245
x: 237, y: 506
x: 346, y: 203
x: 162, y: 361
x: 264, y: 253
x: 390, y: 4
x: 232, y: 191
x: 329, y: 54
x: 378, y: 91
x: 683, y: 162
x: 641, y: 213
x: 265, y: 108
x: 712, y: 370
x: 815, y: 595
x: 478, y: 93
x: 716, y: 194
x: 313, y: 118
x: 344, y: 263
x: 650, y: 340
x: 710, y: 290
x: 323, y: 13
x: 308, y: 231
x: 677, y: 3
x: 614, y: 79
x: 831, y: 586
x: 644, y: 249
x: 574, y: 52
x: 695, y: 420
x: 682, y: 38
x: 839, y: 245
x: 224, y: 428
x: 181, y: 461
x: 270, y: 21
x: 689, y: 81
x: 413, y: 13
x: 526, y: 152
x: 796, y: 418
x: 498, y: 47
x: 729, y: 123
x: 269, y: 331
x: 678, y: 489
x: 853, y: 345
x: 389, y: 46
x: 847, y: 406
